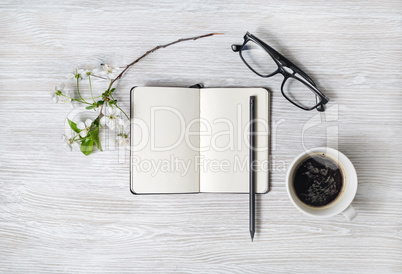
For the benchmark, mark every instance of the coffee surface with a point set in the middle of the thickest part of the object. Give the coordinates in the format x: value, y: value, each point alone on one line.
x: 318, y: 180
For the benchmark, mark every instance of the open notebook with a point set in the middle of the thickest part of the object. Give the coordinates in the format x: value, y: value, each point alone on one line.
x: 186, y: 140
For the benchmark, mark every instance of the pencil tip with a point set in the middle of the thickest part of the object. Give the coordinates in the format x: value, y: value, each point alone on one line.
x: 252, y: 235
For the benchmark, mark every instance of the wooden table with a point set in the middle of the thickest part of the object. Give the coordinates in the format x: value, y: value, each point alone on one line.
x: 64, y: 212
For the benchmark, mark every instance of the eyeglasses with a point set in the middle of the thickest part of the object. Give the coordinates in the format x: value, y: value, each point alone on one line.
x: 297, y: 86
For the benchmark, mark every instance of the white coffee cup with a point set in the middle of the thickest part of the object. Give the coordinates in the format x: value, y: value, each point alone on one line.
x: 342, y: 204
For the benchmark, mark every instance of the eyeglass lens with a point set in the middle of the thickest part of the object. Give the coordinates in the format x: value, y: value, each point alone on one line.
x: 299, y: 93
x: 295, y: 89
x: 258, y: 59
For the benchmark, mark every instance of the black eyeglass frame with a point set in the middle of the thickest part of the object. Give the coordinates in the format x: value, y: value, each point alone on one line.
x: 284, y: 64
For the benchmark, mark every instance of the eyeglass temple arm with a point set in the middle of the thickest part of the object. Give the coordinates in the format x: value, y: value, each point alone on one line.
x: 282, y: 59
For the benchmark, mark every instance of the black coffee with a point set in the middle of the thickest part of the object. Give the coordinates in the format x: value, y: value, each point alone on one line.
x: 318, y: 180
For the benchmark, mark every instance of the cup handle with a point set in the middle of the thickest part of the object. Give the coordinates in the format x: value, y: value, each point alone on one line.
x: 350, y: 213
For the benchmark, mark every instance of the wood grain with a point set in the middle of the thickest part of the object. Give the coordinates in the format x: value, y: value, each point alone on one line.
x: 63, y: 212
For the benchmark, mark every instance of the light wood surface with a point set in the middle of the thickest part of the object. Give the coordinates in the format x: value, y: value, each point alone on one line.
x: 64, y: 212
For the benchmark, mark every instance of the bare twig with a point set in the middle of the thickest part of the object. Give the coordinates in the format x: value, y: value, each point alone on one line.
x: 97, y: 76
x: 141, y: 57
x: 156, y: 48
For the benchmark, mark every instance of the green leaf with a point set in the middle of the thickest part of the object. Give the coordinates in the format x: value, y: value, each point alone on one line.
x: 95, y: 137
x: 100, y: 102
x: 87, y: 146
x: 96, y: 123
x: 90, y: 107
x: 113, y: 89
x: 73, y: 126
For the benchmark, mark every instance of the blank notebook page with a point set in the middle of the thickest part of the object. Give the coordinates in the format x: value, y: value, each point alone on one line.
x: 225, y: 152
x: 159, y: 117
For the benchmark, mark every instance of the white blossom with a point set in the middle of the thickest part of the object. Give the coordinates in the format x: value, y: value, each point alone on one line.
x: 84, y: 127
x: 123, y: 138
x: 111, y: 118
x: 65, y: 99
x: 59, y: 87
x: 76, y: 74
x: 69, y: 142
x: 109, y: 71
x: 87, y: 71
x: 59, y: 96
x: 56, y: 93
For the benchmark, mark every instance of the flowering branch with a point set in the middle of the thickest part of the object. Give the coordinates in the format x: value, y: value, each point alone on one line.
x: 87, y: 134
